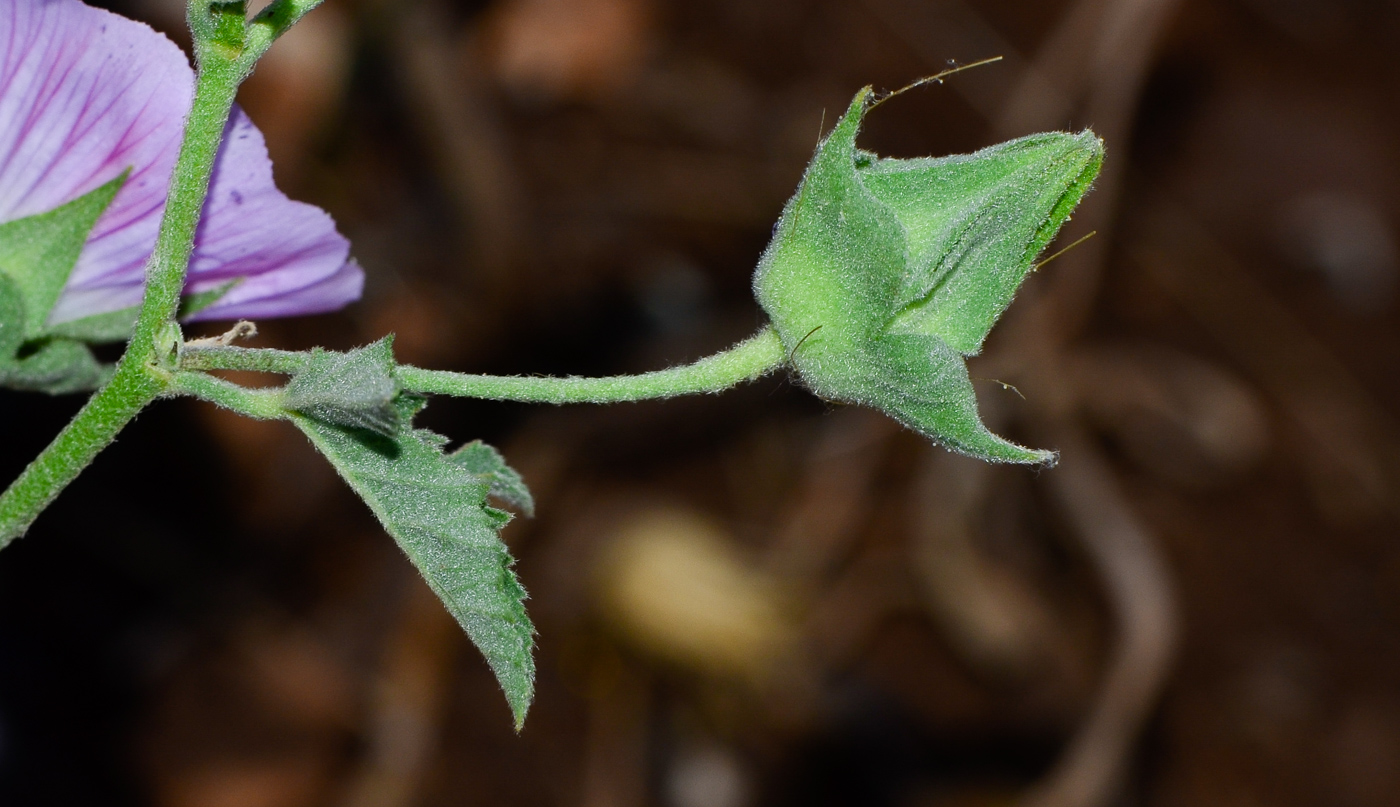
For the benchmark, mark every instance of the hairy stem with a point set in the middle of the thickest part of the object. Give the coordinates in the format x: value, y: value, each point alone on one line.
x: 144, y: 371
x: 219, y: 77
x: 274, y: 21
x: 261, y: 404
x: 94, y: 428
x: 754, y: 357
x: 258, y: 360
x: 745, y: 361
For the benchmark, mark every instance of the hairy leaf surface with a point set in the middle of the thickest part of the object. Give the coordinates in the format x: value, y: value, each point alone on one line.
x: 58, y: 367
x: 506, y: 485
x: 436, y: 511
x: 11, y: 320
x: 39, y: 252
x: 355, y: 389
x: 55, y: 366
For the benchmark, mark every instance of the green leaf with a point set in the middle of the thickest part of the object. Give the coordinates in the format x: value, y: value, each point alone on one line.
x: 355, y: 389
x: 883, y: 274
x: 113, y: 326
x: 435, y: 509
x: 228, y: 23
x: 55, y: 366
x: 39, y: 252
x: 11, y: 321
x: 58, y: 367
x: 506, y: 485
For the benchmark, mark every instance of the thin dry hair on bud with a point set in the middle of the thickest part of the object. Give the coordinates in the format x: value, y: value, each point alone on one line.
x: 1006, y: 385
x: 243, y: 329
x: 792, y: 353
x: 936, y: 78
x: 1059, y: 252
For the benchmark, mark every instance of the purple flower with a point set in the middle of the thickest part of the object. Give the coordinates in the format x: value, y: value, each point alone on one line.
x: 85, y: 95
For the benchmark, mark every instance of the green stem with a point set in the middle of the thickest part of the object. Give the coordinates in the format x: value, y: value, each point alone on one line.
x: 257, y: 360
x: 745, y: 361
x: 144, y: 371
x: 216, y: 86
x: 754, y: 357
x: 261, y: 404
x: 94, y: 428
x: 274, y: 21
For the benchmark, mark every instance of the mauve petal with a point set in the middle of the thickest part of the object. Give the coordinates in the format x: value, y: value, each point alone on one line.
x: 86, y: 94
x: 252, y: 230
x: 256, y: 298
x: 288, y: 254
x: 76, y: 304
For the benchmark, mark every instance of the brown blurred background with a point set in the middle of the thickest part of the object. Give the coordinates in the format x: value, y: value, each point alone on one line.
x: 758, y: 598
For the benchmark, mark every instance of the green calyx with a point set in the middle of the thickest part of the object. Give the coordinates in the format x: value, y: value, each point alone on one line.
x: 884, y: 274
x: 37, y: 255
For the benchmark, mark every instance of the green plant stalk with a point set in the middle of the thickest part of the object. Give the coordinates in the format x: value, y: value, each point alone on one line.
x: 754, y: 357
x: 257, y: 360
x: 153, y: 365
x: 260, y: 404
x: 165, y: 273
x: 274, y: 21
x: 143, y: 373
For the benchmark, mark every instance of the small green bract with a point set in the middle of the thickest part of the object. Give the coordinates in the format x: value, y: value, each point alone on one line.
x: 884, y: 274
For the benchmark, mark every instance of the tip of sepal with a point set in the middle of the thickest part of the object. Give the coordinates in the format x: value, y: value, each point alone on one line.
x: 1037, y: 457
x: 981, y: 443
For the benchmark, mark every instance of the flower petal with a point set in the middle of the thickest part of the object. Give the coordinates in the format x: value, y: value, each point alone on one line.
x: 266, y: 296
x: 289, y: 254
x: 86, y: 94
